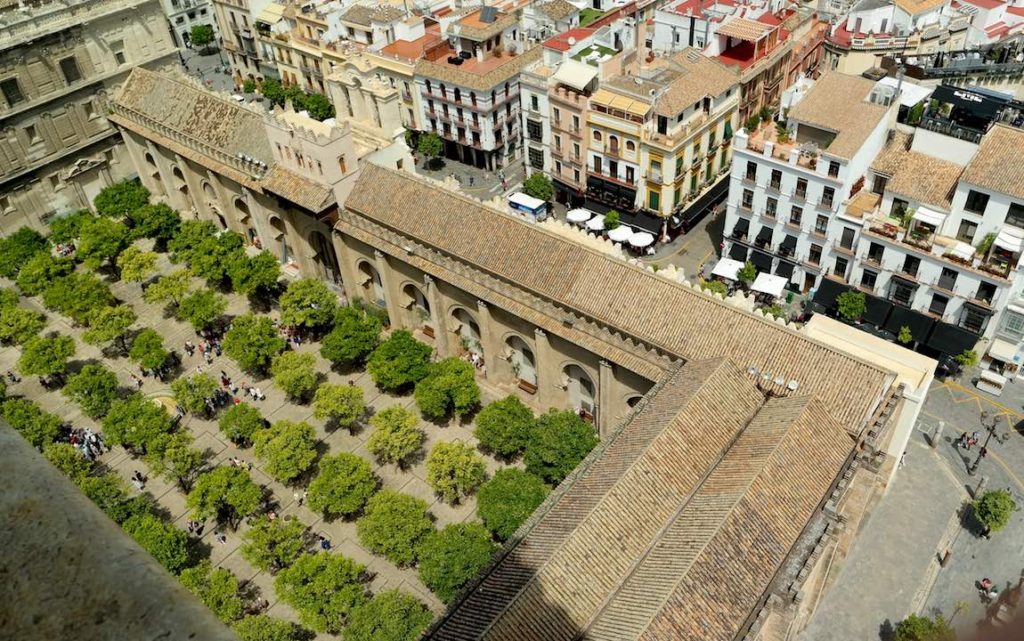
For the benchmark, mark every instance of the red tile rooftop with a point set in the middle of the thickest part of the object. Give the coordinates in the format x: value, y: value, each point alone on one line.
x: 440, y: 54
x: 985, y: 4
x: 411, y: 49
x: 694, y: 6
x: 561, y: 41
x: 742, y: 54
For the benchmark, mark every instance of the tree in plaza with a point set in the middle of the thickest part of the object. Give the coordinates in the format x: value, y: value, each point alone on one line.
x: 100, y: 241
x: 19, y: 325
x: 323, y: 588
x: 252, y: 342
x: 188, y: 238
x: 108, y: 324
x: 16, y: 249
x: 211, y: 258
x: 993, y: 509
x: 393, y: 525
x: 227, y: 494
x: 451, y: 557
x: 261, y: 627
x: 272, y: 90
x: 295, y: 373
x: 157, y: 221
x: 66, y: 229
x: 271, y: 545
x: 201, y: 308
x: 288, y: 449
x: 308, y: 304
x: 36, y: 426
x: 170, y: 288
x: 77, y: 295
x: 354, y: 337
x: 399, y: 362
x: 562, y: 439
x: 455, y: 470
x: 449, y: 387
x: 94, y: 389
x: 539, y: 186
x: 318, y: 106
x: 110, y: 494
x: 341, y: 405
x: 612, y: 220
x: 165, y: 542
x: 343, y: 485
x: 395, y: 436
x: 41, y: 270
x: 240, y: 422
x: 923, y: 628
x: 851, y: 305
x: 121, y: 199
x: 747, y: 273
x: 68, y: 459
x: 135, y: 422
x: 967, y: 358
x: 391, y: 615
x: 46, y: 356
x: 504, y: 427
x: 216, y: 588
x: 254, y: 275
x: 431, y: 146
x: 192, y: 392
x: 174, y: 458
x: 136, y: 265
x: 201, y: 36
x: 508, y: 499
x: 148, y: 350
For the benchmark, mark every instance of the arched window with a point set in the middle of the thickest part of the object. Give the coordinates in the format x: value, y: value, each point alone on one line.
x: 597, y: 135
x: 581, y: 389
x: 630, y: 145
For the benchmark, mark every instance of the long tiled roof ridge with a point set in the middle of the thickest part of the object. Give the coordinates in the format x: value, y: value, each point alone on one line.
x: 996, y: 163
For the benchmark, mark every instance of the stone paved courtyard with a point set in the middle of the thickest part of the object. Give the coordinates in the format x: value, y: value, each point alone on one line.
x: 219, y: 449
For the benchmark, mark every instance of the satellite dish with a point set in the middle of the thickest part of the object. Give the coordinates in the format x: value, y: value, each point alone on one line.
x: 571, y: 41
x: 793, y: 384
x: 780, y: 380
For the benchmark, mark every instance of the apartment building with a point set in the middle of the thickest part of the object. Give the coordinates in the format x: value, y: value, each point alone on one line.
x: 469, y: 86
x: 241, y: 23
x: 185, y: 14
x: 58, y: 61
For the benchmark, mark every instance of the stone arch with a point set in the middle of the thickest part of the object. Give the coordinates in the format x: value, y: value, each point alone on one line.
x: 280, y: 233
x: 242, y: 212
x: 521, y: 358
x: 417, y: 304
x: 465, y: 325
x: 324, y: 258
x: 632, y: 400
x: 580, y: 388
x: 154, y: 174
x: 371, y: 283
x: 209, y: 192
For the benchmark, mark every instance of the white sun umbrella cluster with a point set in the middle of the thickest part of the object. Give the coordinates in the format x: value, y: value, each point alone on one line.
x: 579, y: 216
x: 641, y: 240
x: 620, y: 234
x: 596, y: 223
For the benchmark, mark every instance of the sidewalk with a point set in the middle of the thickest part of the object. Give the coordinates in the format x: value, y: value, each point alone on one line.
x: 896, y: 553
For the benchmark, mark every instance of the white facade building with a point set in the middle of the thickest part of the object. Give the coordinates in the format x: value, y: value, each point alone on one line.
x: 185, y: 14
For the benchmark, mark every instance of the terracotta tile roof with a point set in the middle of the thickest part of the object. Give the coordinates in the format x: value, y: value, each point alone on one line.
x: 914, y: 7
x: 300, y: 190
x: 696, y: 76
x: 561, y: 41
x: 996, y: 164
x: 646, y: 307
x: 743, y: 29
x: 441, y: 70
x: 836, y: 103
x: 470, y: 26
x: 917, y: 176
x: 557, y: 9
x: 658, y: 513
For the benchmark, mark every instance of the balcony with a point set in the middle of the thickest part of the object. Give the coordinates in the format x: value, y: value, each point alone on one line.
x: 613, y: 151
x: 766, y: 140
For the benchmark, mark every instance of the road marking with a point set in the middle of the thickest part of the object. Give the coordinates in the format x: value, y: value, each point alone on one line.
x: 960, y: 388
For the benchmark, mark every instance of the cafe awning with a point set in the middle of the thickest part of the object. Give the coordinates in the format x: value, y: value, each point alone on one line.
x: 876, y: 310
x: 785, y: 269
x: 929, y: 216
x: 963, y: 251
x: 827, y: 293
x: 738, y: 252
x: 920, y: 325
x: 764, y: 235
x: 1004, y: 351
x: 1009, y: 240
x: 741, y: 228
x: 979, y: 105
x: 761, y: 260
x: 950, y: 339
x: 789, y: 242
x: 768, y: 284
x: 727, y: 268
x: 575, y: 74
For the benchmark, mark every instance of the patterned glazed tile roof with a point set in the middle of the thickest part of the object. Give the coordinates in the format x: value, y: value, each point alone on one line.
x: 310, y: 194
x: 836, y: 103
x: 996, y: 164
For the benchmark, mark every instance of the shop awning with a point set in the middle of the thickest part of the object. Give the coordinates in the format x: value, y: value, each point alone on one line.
x: 761, y: 260
x: 738, y: 252
x: 1004, y: 351
x: 704, y: 205
x: 920, y: 324
x: 784, y: 269
x: 876, y: 310
x: 741, y: 228
x: 764, y: 235
x: 727, y: 268
x: 827, y: 293
x: 963, y: 251
x: 789, y: 242
x: 1009, y: 240
x: 929, y: 217
x: 768, y: 284
x: 575, y: 74
x: 950, y: 339
x: 979, y: 105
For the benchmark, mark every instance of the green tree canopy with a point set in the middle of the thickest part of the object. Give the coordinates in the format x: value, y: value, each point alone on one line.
x: 68, y: 459
x: 157, y: 221
x: 354, y: 337
x: 993, y: 509
x: 274, y: 544
x: 449, y: 387
x: 455, y: 470
x: 323, y: 588
x: 18, y: 248
x: 121, y: 199
x: 390, y: 615
x: 851, y: 305
x: 100, y: 241
x: 20, y: 325
x: 393, y: 525
x: 167, y: 544
x: 176, y: 459
x: 343, y: 485
x: 201, y: 35
x: 264, y: 628
x: 225, y: 493
x: 505, y: 427
x: 562, y: 439
x: 201, y: 308
x: 108, y: 324
x: 110, y: 494
x: 318, y: 106
x: 36, y: 426
x: 192, y: 392
x: 46, y: 356
x: 240, y: 422
x: 430, y: 145
x: 450, y: 558
x: 213, y: 256
x: 342, y: 405
x: 273, y: 91
x: 94, y: 388
x: 252, y: 342
x: 922, y: 628
x: 396, y: 435
x: 8, y: 297
x: 747, y: 273
x: 66, y: 229
x: 287, y: 448
x: 539, y: 186
x: 612, y: 220
x: 170, y: 288
x: 257, y: 274
x: 307, y: 303
x: 217, y: 588
x: 136, y: 265
x: 135, y: 422
x: 399, y: 362
x: 295, y: 373
x: 77, y: 295
x: 148, y: 349
x: 41, y: 270
x: 508, y: 499
x: 190, y: 235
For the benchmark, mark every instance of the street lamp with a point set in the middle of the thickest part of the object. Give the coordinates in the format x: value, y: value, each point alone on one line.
x: 990, y: 426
